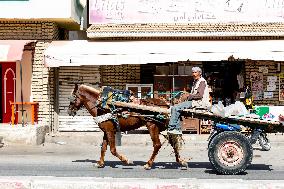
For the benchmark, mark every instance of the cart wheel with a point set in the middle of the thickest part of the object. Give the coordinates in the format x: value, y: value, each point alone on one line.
x: 230, y: 153
x: 264, y: 142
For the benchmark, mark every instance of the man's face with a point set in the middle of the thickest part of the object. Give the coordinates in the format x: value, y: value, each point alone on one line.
x: 196, y: 74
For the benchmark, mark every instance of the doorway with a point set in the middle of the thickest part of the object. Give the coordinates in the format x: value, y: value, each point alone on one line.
x: 222, y: 78
x: 8, y: 89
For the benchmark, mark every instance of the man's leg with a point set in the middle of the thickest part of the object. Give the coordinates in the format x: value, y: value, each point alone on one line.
x: 174, y: 123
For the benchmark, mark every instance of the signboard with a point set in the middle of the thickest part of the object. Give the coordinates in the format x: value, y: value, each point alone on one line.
x: 281, y: 87
x: 185, y: 11
x: 256, y: 85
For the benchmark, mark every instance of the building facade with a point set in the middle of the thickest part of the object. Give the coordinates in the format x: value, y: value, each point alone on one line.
x: 149, y: 45
x: 41, y: 23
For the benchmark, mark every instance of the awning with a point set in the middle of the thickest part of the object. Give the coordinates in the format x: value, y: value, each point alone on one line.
x: 12, y: 50
x: 76, y: 53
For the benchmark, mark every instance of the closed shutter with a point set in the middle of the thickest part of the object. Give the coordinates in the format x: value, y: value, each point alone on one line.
x: 88, y: 75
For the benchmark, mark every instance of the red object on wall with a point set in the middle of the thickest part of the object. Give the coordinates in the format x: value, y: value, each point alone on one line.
x: 8, y: 89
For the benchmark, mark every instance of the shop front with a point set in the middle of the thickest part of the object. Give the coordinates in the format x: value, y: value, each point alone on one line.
x: 159, y: 68
x: 13, y: 59
x: 150, y: 48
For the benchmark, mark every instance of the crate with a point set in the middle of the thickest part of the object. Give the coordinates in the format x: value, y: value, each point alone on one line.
x: 190, y: 124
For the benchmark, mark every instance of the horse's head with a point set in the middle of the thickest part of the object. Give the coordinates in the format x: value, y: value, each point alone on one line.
x: 84, y: 95
x: 76, y: 102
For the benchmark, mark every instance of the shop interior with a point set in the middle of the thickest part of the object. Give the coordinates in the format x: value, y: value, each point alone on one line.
x: 225, y: 79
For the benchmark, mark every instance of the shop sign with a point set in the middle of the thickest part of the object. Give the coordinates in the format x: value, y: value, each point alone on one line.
x: 263, y: 69
x: 268, y: 95
x: 281, y: 87
x: 256, y: 79
x: 271, y: 83
x: 185, y: 11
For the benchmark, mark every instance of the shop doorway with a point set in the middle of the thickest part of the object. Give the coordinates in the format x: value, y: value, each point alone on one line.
x: 8, y: 89
x: 225, y: 79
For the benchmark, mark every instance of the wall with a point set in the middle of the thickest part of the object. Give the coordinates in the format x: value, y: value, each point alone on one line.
x: 41, y: 78
x: 118, y: 76
x: 253, y: 66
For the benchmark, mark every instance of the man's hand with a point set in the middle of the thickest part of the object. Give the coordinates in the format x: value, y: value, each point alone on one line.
x: 185, y: 97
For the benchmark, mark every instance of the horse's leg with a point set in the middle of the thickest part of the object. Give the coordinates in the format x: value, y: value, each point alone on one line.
x: 101, y: 162
x: 111, y: 142
x: 154, y: 133
x: 180, y: 160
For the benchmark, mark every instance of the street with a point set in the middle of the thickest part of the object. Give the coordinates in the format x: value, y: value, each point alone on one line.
x: 68, y: 160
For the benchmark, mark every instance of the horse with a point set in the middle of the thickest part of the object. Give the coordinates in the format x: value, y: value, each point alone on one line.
x: 90, y: 98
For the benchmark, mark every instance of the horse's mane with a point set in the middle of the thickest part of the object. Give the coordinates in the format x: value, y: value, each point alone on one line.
x: 90, y: 89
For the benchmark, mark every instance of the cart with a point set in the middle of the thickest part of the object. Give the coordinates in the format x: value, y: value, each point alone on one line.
x: 229, y: 150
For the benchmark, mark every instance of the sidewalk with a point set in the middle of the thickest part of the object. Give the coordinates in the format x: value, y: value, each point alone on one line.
x: 95, y: 138
x: 131, y: 183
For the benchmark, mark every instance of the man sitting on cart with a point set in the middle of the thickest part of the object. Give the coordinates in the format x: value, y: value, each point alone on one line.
x: 198, y: 98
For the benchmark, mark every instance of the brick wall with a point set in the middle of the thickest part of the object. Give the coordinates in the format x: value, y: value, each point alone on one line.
x: 118, y: 76
x: 42, y: 77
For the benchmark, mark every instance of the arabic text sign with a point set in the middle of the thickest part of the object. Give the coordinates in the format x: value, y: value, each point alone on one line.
x: 185, y: 11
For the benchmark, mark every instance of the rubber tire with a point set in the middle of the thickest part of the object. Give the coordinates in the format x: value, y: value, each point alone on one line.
x: 264, y: 142
x: 242, y: 141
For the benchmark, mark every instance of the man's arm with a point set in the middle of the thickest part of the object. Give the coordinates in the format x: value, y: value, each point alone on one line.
x: 200, y: 92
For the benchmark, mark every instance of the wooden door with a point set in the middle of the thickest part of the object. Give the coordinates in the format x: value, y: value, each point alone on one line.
x: 8, y: 89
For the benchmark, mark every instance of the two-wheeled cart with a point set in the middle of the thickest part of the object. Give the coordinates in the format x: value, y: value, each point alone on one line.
x: 229, y: 150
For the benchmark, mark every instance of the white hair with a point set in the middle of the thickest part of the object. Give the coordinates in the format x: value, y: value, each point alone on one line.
x: 197, y: 69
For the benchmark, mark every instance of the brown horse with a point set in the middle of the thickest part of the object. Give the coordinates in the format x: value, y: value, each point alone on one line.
x: 90, y: 98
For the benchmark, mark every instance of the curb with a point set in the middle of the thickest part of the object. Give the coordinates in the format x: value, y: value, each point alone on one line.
x: 95, y: 138
x: 131, y: 183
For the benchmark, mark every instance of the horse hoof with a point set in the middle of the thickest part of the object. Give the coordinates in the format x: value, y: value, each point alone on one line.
x: 97, y: 165
x: 129, y: 162
x: 184, y: 164
x: 147, y: 167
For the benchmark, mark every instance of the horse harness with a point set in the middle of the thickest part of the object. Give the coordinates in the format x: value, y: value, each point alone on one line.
x: 108, y: 97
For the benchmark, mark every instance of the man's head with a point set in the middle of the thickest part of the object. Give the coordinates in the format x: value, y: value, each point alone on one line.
x: 196, y: 72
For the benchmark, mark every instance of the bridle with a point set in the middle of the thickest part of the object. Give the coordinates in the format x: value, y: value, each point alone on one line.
x: 72, y: 100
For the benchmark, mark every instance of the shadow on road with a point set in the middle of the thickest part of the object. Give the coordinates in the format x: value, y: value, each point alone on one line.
x: 173, y: 165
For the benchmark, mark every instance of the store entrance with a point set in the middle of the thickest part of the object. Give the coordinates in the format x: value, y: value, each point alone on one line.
x: 225, y: 79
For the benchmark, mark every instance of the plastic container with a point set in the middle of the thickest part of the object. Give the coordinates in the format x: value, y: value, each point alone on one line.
x: 261, y: 110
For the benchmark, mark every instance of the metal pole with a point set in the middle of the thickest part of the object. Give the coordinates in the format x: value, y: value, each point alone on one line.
x: 22, y: 98
x: 173, y: 88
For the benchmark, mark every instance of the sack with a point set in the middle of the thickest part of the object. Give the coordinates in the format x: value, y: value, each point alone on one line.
x: 218, y: 109
x: 237, y: 109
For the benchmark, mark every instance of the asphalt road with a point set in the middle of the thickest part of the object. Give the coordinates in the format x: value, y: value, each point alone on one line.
x: 77, y: 161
